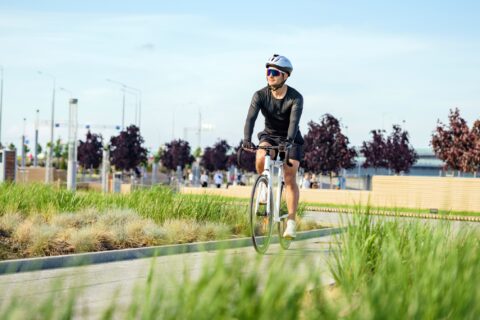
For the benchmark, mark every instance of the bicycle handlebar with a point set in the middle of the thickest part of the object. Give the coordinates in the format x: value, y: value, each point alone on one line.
x: 268, y: 148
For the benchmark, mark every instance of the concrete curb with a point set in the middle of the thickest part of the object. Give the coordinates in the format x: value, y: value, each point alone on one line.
x: 74, y: 260
x: 394, y: 214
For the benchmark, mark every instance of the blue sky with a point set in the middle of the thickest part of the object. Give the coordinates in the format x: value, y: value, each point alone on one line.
x: 371, y: 64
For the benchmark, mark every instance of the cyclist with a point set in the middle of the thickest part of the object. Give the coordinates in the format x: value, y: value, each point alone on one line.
x: 281, y: 105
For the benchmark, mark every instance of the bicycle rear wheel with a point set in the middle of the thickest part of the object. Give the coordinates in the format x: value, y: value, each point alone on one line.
x: 261, y: 219
x: 282, y: 225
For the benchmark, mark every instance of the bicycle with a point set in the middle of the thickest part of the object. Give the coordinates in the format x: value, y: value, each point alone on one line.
x: 264, y: 213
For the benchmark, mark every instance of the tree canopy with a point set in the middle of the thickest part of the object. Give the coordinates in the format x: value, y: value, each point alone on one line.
x: 326, y: 147
x: 176, y: 153
x: 126, y: 150
x: 456, y: 144
x: 89, y: 152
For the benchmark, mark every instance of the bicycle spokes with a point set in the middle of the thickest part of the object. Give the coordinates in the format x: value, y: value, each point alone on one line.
x: 261, y: 217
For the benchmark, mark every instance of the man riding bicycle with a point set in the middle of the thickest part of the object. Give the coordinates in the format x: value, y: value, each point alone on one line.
x: 282, y: 107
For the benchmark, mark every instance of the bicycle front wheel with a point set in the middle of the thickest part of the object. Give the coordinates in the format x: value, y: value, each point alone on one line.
x: 282, y: 224
x: 261, y: 219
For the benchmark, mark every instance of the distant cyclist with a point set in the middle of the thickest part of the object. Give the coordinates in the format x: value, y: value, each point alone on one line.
x: 281, y: 106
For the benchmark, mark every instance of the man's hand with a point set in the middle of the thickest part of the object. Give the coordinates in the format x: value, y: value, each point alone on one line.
x: 283, y: 146
x: 248, y: 145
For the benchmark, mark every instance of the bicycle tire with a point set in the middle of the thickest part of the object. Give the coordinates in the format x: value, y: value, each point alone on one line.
x: 282, y: 225
x: 261, y: 222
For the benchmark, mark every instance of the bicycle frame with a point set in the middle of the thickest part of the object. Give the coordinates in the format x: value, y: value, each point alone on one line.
x: 268, y: 171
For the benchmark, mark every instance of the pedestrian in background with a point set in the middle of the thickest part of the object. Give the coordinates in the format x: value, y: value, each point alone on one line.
x: 218, y: 178
x: 204, y: 179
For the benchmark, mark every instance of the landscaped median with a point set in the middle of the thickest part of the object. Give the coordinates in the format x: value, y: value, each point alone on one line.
x: 37, y: 220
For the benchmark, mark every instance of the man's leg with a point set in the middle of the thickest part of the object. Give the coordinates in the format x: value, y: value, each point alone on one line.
x: 260, y: 157
x: 291, y: 188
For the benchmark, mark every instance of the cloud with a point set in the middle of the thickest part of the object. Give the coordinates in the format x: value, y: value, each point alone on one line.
x: 148, y: 47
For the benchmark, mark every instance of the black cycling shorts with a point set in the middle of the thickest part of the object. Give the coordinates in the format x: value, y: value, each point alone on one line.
x: 296, y: 151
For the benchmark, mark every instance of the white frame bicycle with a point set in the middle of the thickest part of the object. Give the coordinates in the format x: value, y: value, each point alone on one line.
x: 264, y: 214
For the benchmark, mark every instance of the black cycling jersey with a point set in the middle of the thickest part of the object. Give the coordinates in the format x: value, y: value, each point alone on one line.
x: 282, y: 116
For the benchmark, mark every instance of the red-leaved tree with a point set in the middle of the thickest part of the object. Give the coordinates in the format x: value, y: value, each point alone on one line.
x: 375, y: 151
x: 126, y: 150
x: 215, y: 158
x: 475, y: 152
x: 455, y: 143
x: 326, y: 147
x: 90, y: 151
x: 176, y: 153
x: 400, y: 154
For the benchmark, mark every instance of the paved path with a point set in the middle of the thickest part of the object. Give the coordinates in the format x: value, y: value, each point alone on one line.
x: 100, y: 283
x: 332, y: 219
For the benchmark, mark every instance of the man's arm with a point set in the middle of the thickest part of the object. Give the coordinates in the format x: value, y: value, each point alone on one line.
x: 251, y: 117
x: 295, y: 115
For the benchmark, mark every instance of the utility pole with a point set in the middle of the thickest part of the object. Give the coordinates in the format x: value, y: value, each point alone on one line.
x: 138, y: 101
x: 202, y: 127
x: 35, y: 152
x: 23, y: 142
x: 48, y: 165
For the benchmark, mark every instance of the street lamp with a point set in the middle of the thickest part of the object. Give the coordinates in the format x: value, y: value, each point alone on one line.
x: 67, y: 91
x: 138, y: 106
x: 48, y: 165
x: 123, y: 87
x: 23, y: 142
x: 35, y: 152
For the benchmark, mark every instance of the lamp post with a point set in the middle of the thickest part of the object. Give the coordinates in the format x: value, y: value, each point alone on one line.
x: 138, y: 120
x: 122, y: 88
x: 72, y: 145
x: 35, y: 152
x: 23, y: 142
x: 48, y: 165
x: 138, y: 105
x: 67, y: 91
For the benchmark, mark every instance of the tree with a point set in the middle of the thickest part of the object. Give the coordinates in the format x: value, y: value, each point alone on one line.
x: 26, y: 149
x: 216, y: 158
x: 60, y: 153
x: 400, y: 155
x: 326, y: 147
x: 39, y: 148
x: 470, y: 159
x: 126, y: 151
x: 90, y: 151
x: 475, y: 152
x: 453, y: 143
x: 158, y: 156
x: 198, y: 152
x: 375, y: 151
x: 176, y: 153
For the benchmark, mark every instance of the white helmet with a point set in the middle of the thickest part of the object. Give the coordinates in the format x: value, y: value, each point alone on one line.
x: 281, y: 63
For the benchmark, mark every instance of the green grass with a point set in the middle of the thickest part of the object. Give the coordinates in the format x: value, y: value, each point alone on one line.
x: 158, y: 204
x: 39, y: 220
x: 408, y: 270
